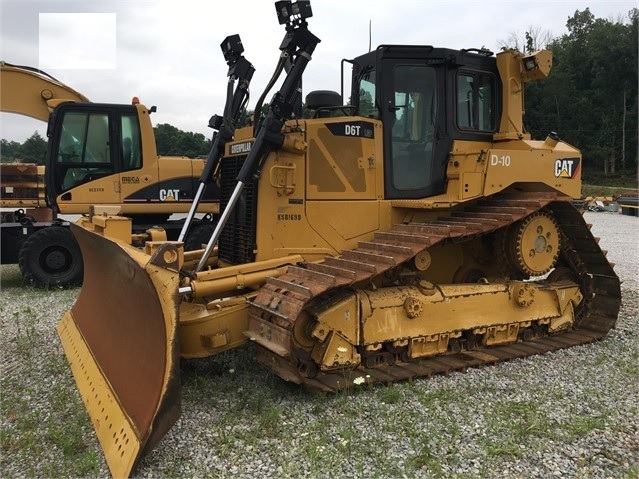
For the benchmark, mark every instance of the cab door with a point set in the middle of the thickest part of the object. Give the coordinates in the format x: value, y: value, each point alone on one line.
x: 83, y: 158
x: 138, y: 172
x: 412, y: 112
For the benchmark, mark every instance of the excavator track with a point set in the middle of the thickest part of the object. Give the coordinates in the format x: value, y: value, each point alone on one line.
x: 281, y: 301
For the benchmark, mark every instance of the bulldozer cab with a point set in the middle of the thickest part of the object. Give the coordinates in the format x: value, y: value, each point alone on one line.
x: 88, y: 142
x: 426, y: 98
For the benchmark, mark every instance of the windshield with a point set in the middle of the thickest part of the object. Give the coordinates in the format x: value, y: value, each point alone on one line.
x: 84, y: 150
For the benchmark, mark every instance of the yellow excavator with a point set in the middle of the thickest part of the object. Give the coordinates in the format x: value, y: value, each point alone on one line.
x: 97, y: 154
x: 416, y: 231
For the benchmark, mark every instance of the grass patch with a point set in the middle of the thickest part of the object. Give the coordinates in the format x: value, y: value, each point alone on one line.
x: 27, y: 336
x: 23, y: 424
x: 270, y: 420
x: 628, y: 366
x: 515, y: 426
x: 614, y: 191
x: 431, y: 398
x: 578, y: 426
x: 633, y: 473
x: 10, y: 276
x: 390, y: 394
x: 55, y: 429
x: 45, y: 429
x: 619, y: 180
x: 425, y: 458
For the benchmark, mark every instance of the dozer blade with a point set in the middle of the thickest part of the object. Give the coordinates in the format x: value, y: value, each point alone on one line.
x: 120, y: 341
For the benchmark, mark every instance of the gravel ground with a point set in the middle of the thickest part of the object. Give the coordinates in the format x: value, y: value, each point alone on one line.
x: 573, y: 413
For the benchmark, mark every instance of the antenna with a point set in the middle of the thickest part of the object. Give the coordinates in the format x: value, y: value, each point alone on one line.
x: 369, y: 34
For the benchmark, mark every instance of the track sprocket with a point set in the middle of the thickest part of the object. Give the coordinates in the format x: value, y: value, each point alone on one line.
x: 532, y: 245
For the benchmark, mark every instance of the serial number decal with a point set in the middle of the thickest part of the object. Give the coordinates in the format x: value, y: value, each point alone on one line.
x: 289, y: 217
x: 567, y: 167
x: 239, y: 148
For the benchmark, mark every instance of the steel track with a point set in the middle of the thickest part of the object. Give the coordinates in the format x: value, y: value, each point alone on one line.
x: 281, y: 300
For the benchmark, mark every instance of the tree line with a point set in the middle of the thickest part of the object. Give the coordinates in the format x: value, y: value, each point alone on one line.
x: 31, y: 151
x: 590, y: 98
x: 169, y: 141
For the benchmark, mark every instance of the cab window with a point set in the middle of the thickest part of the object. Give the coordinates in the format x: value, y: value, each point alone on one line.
x: 84, y: 150
x: 366, y: 101
x: 413, y: 126
x: 131, y: 153
x: 476, y: 101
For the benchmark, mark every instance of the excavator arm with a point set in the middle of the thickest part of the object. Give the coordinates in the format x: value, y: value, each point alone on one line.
x: 31, y: 92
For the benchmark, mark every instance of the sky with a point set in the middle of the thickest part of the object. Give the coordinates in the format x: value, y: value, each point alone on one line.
x: 168, y: 53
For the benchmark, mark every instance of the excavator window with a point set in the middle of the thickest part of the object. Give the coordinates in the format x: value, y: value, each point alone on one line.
x: 131, y: 153
x: 84, y: 151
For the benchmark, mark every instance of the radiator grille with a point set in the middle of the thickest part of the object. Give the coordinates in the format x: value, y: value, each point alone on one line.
x: 237, y: 241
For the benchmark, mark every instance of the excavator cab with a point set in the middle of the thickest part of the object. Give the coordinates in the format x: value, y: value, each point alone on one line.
x: 88, y: 142
x: 408, y: 88
x: 105, y: 154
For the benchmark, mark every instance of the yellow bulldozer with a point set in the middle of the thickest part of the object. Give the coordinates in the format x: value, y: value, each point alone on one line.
x: 415, y: 231
x: 97, y: 154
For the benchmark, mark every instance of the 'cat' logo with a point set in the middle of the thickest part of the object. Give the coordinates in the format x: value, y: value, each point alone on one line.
x: 169, y: 195
x: 567, y: 167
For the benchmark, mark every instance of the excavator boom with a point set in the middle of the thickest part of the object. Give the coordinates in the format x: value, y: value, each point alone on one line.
x: 17, y: 89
